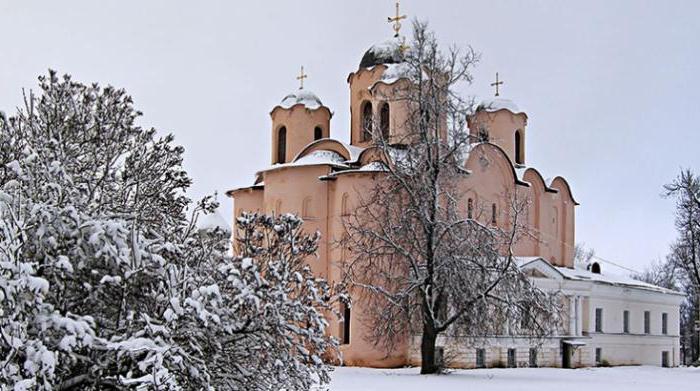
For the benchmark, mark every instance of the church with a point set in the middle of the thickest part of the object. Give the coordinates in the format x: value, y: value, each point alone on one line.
x: 609, y: 319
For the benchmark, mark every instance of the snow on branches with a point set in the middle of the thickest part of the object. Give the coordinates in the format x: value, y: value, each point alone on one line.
x: 105, y: 281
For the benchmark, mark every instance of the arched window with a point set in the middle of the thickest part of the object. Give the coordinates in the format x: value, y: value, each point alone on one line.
x: 518, y: 148
x: 344, y: 207
x: 595, y: 268
x: 278, y: 207
x: 470, y: 208
x: 346, y: 324
x: 281, y: 144
x: 366, y: 132
x: 307, y: 208
x: 384, y: 120
x: 318, y: 133
x: 493, y: 213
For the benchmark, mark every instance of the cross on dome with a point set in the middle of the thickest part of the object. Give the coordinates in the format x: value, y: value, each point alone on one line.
x: 396, y: 20
x: 301, y: 78
x: 496, y: 84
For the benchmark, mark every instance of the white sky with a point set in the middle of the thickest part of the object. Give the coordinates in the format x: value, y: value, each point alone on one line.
x: 611, y: 87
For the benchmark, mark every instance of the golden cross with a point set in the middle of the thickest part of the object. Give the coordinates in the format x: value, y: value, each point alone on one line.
x: 301, y: 78
x: 497, y: 83
x: 396, y: 20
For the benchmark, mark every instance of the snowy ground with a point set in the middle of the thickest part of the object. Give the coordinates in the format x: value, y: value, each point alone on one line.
x: 521, y: 379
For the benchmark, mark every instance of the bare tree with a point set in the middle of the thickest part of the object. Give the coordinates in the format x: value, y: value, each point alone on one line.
x: 419, y: 263
x: 685, y: 252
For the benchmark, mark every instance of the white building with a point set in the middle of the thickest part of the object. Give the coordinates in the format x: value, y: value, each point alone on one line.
x: 608, y: 320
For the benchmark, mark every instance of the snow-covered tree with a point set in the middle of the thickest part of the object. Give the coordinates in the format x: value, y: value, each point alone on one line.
x: 420, y: 264
x: 105, y: 280
x: 685, y: 251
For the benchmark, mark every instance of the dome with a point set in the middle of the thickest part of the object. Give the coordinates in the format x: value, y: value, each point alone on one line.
x: 496, y: 104
x: 304, y: 97
x: 387, y: 52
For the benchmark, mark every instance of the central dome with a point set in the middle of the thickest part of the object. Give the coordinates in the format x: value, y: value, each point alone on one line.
x: 387, y: 52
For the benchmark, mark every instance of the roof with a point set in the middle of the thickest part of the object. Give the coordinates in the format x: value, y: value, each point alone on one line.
x: 585, y: 275
x: 387, y: 52
x: 497, y: 104
x: 303, y: 97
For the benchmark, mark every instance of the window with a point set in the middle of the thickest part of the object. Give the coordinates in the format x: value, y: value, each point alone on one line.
x: 346, y: 324
x: 384, y: 119
x: 318, y: 133
x: 470, y: 208
x: 366, y: 132
x: 626, y: 322
x: 598, y: 356
x: 511, y: 358
x: 483, y: 135
x: 595, y: 268
x: 518, y: 148
x: 533, y: 357
x: 599, y: 320
x: 307, y: 208
x: 664, y: 323
x: 664, y: 359
x: 493, y: 213
x: 344, y: 207
x: 281, y: 145
x: 481, y: 358
x: 647, y: 322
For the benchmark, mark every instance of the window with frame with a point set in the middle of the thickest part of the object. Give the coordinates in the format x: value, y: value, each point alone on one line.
x: 599, y: 320
x: 533, y: 357
x: 664, y: 323
x: 470, y: 208
x: 481, y: 358
x: 384, y: 120
x: 647, y: 322
x: 626, y: 322
x: 346, y: 324
x: 598, y: 356
x: 494, y: 210
x: 281, y: 144
x: 511, y: 358
x: 367, y: 121
x: 318, y: 133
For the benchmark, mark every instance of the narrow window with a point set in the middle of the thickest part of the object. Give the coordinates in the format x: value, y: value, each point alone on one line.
x: 318, y: 133
x: 518, y: 148
x: 533, y: 357
x: 306, y: 208
x: 366, y: 134
x: 281, y: 144
x: 598, y: 356
x: 511, y: 358
x: 470, y: 208
x: 599, y: 320
x: 626, y: 322
x: 664, y: 359
x: 493, y: 213
x: 481, y: 358
x: 346, y: 324
x: 384, y: 120
x: 664, y: 323
x: 647, y: 322
x: 344, y: 207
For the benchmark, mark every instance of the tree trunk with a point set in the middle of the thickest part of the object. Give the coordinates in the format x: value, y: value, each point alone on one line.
x: 427, y: 348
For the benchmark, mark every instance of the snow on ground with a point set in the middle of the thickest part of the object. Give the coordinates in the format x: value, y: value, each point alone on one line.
x: 521, y: 379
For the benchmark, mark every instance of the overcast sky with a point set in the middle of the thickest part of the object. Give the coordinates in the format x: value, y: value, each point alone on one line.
x: 611, y: 88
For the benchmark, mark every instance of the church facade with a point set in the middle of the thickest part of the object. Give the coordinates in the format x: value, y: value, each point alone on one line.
x: 609, y: 319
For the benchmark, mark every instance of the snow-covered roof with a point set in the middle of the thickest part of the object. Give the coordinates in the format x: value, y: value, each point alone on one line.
x: 496, y: 104
x: 210, y: 221
x: 585, y: 275
x: 609, y: 278
x: 387, y: 52
x: 304, y: 97
x: 315, y: 158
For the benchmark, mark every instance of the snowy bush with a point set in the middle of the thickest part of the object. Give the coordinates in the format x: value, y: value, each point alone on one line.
x: 106, y: 283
